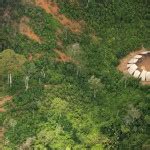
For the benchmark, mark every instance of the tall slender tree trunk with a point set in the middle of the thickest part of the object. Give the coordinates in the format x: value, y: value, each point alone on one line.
x: 94, y: 93
x: 27, y: 82
x: 87, y: 4
x: 10, y: 79
x: 77, y: 72
x: 43, y: 73
x: 125, y: 83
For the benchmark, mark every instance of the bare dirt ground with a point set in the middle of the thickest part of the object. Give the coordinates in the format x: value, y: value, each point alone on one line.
x: 26, y: 30
x: 123, y: 63
x: 62, y: 57
x: 52, y: 8
x: 3, y: 100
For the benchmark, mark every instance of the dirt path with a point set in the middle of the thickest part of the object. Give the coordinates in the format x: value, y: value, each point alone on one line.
x: 123, y: 63
x: 52, y: 8
x: 25, y: 29
x: 3, y: 100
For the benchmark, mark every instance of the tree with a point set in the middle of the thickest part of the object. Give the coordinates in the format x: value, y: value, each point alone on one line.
x: 95, y: 85
x: 53, y: 133
x: 74, y: 51
x: 59, y: 106
x: 133, y: 112
x: 27, y: 144
x: 29, y: 69
x: 88, y: 1
x: 10, y: 62
x: 48, y: 139
x: 12, y: 123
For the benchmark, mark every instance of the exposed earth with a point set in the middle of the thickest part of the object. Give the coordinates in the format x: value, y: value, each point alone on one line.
x: 53, y: 9
x: 76, y: 98
x: 26, y: 30
x: 144, y: 64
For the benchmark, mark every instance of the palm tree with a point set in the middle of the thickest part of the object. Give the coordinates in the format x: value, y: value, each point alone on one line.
x: 29, y: 69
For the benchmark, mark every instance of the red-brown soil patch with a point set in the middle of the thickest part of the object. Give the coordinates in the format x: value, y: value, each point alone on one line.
x: 59, y: 41
x: 25, y: 29
x: 62, y: 56
x: 124, y: 61
x: 2, y: 110
x: 52, y: 8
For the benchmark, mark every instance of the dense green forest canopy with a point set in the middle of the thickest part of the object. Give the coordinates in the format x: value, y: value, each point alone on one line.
x: 82, y: 104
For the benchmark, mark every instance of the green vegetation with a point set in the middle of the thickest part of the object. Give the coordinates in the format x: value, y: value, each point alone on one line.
x: 85, y: 104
